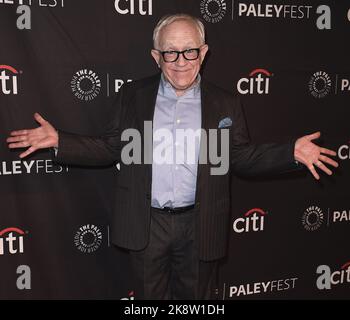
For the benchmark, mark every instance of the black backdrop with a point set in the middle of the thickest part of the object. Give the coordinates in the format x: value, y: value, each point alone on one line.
x: 289, y: 61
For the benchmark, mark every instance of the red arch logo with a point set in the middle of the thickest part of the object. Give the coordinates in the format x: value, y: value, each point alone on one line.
x: 3, y: 66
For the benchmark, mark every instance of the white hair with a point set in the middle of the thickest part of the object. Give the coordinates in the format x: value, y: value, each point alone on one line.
x: 168, y: 19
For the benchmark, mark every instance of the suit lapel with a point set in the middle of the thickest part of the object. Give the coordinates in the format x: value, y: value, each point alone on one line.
x: 146, y: 97
x: 207, y: 105
x: 146, y: 100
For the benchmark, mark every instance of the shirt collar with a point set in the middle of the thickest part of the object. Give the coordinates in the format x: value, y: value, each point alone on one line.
x: 193, y: 91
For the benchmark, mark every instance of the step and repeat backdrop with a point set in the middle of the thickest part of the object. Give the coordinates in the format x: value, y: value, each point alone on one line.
x: 289, y: 63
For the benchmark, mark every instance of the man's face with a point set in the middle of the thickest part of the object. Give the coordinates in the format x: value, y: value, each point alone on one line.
x: 180, y: 35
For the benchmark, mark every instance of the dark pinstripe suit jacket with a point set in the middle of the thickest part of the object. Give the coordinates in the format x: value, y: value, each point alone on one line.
x: 131, y: 220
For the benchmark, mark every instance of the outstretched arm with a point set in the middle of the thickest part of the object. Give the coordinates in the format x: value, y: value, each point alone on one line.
x: 251, y: 160
x: 42, y: 137
x: 72, y: 148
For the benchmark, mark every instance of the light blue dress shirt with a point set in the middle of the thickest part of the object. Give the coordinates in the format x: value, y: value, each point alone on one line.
x: 175, y: 158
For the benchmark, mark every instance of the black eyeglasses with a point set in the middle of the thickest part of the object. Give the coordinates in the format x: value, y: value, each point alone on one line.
x: 173, y: 55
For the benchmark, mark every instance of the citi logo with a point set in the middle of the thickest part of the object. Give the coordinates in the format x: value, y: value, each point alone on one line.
x: 8, y: 79
x: 258, y: 82
x: 11, y: 241
x: 344, y: 152
x: 327, y: 278
x: 143, y: 7
x: 253, y: 221
x: 129, y: 297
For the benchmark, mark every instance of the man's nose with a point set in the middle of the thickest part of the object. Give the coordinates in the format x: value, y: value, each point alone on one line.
x: 181, y: 61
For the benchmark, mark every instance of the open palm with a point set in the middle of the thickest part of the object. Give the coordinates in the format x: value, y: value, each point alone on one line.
x: 42, y: 137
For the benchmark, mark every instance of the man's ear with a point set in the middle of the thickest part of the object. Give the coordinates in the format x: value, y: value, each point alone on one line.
x: 156, y: 56
x: 203, y: 52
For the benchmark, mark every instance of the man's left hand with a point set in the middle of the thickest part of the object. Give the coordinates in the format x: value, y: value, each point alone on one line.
x: 312, y: 155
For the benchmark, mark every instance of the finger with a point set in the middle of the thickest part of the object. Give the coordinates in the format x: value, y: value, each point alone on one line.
x: 16, y: 139
x: 329, y: 161
x: 27, y: 152
x: 313, y: 171
x: 19, y: 132
x: 22, y: 144
x: 314, y: 135
x: 39, y: 118
x: 328, y: 151
x: 323, y: 167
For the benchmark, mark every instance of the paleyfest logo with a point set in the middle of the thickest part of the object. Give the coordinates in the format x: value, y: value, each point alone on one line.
x: 270, y: 286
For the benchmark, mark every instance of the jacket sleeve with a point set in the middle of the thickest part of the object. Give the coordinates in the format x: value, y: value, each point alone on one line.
x: 253, y: 160
x: 92, y: 150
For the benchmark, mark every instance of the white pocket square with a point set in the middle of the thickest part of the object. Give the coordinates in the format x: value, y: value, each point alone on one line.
x: 226, y: 122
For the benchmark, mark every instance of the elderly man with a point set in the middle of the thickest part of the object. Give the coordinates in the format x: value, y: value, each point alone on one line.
x: 173, y: 217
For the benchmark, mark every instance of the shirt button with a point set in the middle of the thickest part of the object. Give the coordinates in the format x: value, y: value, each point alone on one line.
x: 176, y: 143
x: 178, y: 121
x: 176, y: 167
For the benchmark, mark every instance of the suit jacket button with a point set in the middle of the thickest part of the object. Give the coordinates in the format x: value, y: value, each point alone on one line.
x: 148, y: 196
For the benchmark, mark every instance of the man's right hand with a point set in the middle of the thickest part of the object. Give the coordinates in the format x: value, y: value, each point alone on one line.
x: 42, y: 137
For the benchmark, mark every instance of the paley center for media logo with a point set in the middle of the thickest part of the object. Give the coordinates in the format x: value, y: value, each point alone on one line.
x: 214, y: 10
x: 277, y: 286
x: 257, y: 82
x: 314, y: 217
x: 8, y: 80
x: 88, y: 238
x: 322, y: 83
x: 86, y: 84
x: 252, y: 221
x: 328, y: 278
x: 11, y: 241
